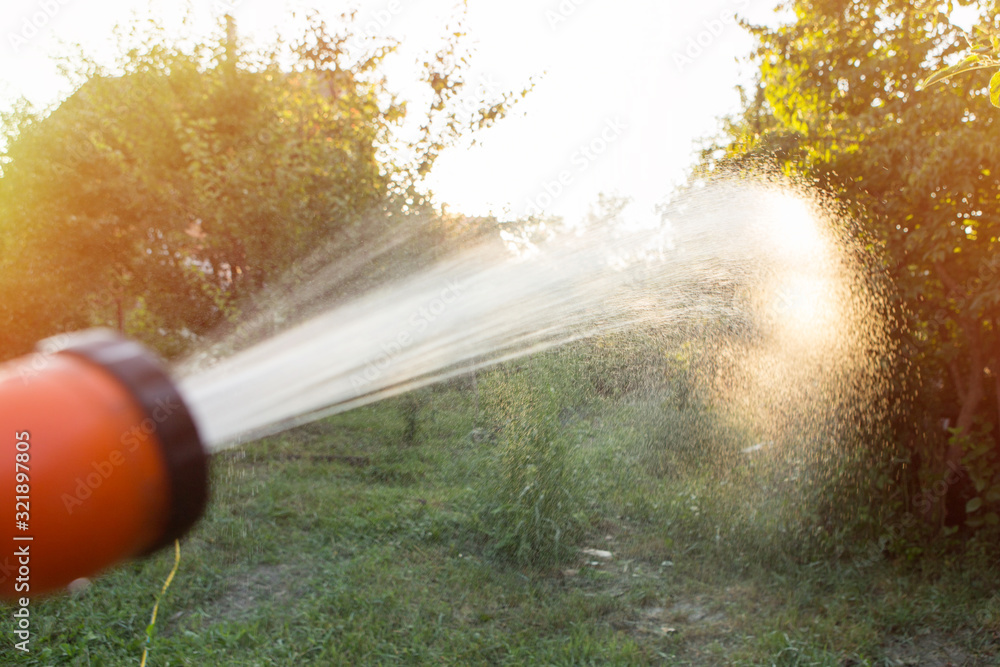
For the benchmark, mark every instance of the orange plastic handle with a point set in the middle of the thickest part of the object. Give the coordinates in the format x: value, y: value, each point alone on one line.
x: 82, y: 450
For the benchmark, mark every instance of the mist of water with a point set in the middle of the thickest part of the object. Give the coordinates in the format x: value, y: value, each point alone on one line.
x: 759, y: 257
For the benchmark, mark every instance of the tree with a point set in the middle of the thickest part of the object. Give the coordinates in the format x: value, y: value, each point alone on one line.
x: 983, y: 53
x: 163, y: 193
x: 837, y: 102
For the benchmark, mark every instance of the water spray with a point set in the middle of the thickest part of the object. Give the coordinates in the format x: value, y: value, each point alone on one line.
x: 102, y: 461
x: 105, y: 457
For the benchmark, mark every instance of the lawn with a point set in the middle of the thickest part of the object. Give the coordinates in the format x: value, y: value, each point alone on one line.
x: 386, y: 535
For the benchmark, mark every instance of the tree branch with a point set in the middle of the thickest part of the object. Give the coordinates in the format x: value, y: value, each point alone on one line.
x: 996, y: 380
x: 956, y: 377
x: 946, y: 279
x: 974, y: 390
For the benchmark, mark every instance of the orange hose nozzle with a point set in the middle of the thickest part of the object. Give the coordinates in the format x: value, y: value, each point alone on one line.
x: 100, y: 462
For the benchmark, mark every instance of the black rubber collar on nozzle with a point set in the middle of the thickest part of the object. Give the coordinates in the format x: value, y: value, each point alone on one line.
x: 146, y: 379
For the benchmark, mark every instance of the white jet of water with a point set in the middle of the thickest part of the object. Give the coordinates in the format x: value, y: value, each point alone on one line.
x: 483, y: 306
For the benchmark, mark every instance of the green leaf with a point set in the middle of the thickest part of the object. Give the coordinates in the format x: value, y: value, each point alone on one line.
x: 995, y: 90
x: 980, y: 451
x: 992, y: 519
x: 973, y: 505
x: 993, y: 495
x: 968, y: 63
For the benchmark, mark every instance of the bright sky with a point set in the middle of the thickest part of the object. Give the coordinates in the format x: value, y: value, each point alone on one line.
x: 624, y: 89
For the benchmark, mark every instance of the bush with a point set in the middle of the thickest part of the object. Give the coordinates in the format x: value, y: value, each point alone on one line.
x: 529, y: 507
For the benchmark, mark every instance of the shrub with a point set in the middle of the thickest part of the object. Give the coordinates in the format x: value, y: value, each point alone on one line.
x: 529, y: 507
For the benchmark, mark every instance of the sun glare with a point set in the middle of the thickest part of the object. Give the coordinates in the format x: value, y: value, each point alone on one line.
x: 795, y: 230
x: 803, y: 295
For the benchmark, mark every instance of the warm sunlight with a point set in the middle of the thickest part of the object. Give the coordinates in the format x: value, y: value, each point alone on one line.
x: 593, y: 123
x: 796, y: 231
x: 534, y: 332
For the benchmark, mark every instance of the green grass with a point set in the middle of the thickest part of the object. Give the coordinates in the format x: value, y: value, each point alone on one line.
x: 338, y: 544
